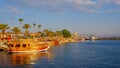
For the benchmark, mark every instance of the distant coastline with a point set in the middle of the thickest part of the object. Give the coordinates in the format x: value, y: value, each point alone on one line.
x: 106, y: 38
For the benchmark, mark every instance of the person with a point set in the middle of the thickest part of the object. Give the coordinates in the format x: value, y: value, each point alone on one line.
x: 9, y: 38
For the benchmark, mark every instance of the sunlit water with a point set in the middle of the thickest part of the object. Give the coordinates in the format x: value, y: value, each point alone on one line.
x: 88, y: 54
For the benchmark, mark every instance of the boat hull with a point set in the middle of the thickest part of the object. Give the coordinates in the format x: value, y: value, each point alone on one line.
x: 17, y: 50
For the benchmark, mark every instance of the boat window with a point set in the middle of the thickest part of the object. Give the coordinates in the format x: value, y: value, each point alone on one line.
x: 17, y: 45
x: 28, y: 45
x: 10, y: 45
x: 24, y: 45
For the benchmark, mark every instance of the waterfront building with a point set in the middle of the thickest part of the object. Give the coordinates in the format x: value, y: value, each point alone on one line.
x: 75, y: 36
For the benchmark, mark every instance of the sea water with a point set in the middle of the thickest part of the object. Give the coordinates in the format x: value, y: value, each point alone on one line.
x: 87, y: 54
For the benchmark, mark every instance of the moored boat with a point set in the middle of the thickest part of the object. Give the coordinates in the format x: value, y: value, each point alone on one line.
x: 27, y: 45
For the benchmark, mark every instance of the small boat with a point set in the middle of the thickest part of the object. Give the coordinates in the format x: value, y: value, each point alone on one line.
x: 27, y: 45
x: 56, y: 42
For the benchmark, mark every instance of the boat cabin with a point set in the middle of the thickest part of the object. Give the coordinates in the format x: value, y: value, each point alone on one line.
x: 19, y: 45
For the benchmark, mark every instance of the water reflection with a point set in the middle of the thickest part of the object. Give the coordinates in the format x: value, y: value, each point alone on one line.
x: 27, y: 58
x: 10, y: 60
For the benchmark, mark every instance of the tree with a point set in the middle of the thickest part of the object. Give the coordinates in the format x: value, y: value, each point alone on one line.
x: 16, y: 30
x: 66, y: 33
x: 39, y: 32
x: 26, y: 26
x: 34, y: 25
x: 59, y: 34
x: 45, y: 32
x: 4, y: 27
x: 51, y: 34
x: 20, y: 20
x: 39, y: 26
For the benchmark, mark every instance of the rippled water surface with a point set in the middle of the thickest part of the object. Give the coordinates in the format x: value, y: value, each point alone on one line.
x: 88, y: 54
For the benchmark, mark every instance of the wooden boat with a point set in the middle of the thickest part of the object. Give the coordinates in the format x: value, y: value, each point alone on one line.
x: 27, y: 45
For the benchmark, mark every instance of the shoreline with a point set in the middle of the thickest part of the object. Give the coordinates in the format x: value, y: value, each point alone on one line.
x: 108, y: 39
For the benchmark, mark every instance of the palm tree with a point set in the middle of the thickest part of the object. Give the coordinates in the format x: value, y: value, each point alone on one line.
x: 20, y: 20
x: 39, y: 26
x: 26, y: 26
x: 45, y: 32
x: 4, y: 27
x: 16, y: 30
x: 34, y: 25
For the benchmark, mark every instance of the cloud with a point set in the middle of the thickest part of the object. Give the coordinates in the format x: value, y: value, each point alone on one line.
x: 117, y: 2
x: 82, y: 2
x: 89, y: 6
x: 10, y: 9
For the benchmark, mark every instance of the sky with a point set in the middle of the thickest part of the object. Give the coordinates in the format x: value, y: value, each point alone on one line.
x: 99, y: 17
